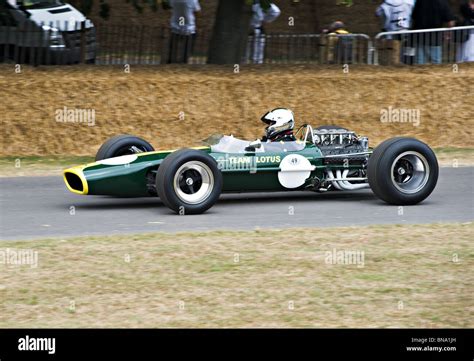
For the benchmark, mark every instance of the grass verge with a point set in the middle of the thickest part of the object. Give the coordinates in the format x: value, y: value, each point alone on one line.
x: 411, y: 276
x: 17, y: 166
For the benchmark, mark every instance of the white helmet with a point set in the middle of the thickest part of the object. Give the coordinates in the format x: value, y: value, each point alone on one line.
x: 279, y: 120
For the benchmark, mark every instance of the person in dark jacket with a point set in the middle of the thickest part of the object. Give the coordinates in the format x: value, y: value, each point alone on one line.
x: 430, y: 14
x: 466, y: 48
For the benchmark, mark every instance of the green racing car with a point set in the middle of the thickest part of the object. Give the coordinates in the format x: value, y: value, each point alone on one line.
x: 400, y: 171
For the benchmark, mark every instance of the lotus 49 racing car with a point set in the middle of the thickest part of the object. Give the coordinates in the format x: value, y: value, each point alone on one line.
x: 400, y: 171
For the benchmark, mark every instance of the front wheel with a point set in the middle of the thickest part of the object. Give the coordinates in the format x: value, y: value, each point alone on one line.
x: 402, y: 171
x: 189, y: 181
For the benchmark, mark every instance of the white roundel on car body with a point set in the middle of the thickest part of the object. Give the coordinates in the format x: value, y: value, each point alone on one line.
x: 294, y: 170
x: 123, y: 159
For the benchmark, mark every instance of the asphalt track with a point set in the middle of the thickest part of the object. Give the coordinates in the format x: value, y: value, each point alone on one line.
x: 40, y: 207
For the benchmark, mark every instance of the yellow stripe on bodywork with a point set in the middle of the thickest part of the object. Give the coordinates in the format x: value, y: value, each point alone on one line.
x: 78, y: 170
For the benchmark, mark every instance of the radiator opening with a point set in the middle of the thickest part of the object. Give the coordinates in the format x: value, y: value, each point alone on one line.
x: 74, y: 182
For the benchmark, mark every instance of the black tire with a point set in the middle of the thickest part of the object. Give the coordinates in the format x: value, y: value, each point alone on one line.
x: 403, y: 171
x: 122, y: 145
x: 330, y: 127
x: 173, y: 197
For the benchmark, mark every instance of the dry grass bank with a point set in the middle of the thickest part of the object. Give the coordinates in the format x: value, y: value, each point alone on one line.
x: 149, y: 100
x: 409, y: 276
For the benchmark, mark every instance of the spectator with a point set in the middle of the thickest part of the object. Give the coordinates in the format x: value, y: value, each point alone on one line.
x: 430, y: 14
x: 260, y: 16
x: 396, y: 16
x: 337, y: 28
x: 466, y: 48
x: 183, y: 29
x: 339, y: 49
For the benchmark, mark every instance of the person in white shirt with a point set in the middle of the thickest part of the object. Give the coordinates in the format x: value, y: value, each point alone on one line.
x: 183, y: 29
x: 396, y: 16
x: 257, y: 38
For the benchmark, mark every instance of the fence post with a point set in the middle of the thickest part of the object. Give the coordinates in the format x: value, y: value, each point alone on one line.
x: 370, y: 52
x: 376, y: 50
x: 16, y: 41
x: 6, y: 49
x: 83, y: 42
x: 24, y: 33
x: 140, y: 45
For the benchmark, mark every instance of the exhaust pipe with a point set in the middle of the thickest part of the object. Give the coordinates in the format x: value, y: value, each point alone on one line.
x: 341, y: 181
x: 334, y: 183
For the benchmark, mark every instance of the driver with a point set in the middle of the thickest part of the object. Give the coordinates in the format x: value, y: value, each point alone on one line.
x: 280, y: 125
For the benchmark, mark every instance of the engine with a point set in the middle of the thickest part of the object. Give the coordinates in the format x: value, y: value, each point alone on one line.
x: 346, y: 156
x: 341, y: 142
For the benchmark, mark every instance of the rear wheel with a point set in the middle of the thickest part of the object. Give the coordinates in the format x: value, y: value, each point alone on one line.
x: 402, y: 171
x: 189, y: 181
x: 122, y: 145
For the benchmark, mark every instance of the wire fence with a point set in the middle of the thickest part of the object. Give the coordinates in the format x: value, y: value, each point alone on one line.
x: 148, y: 45
x: 81, y: 42
x: 310, y: 48
x: 428, y: 46
x: 130, y: 45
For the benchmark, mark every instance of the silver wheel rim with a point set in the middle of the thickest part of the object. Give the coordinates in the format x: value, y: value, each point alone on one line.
x: 193, y: 182
x: 410, y: 172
